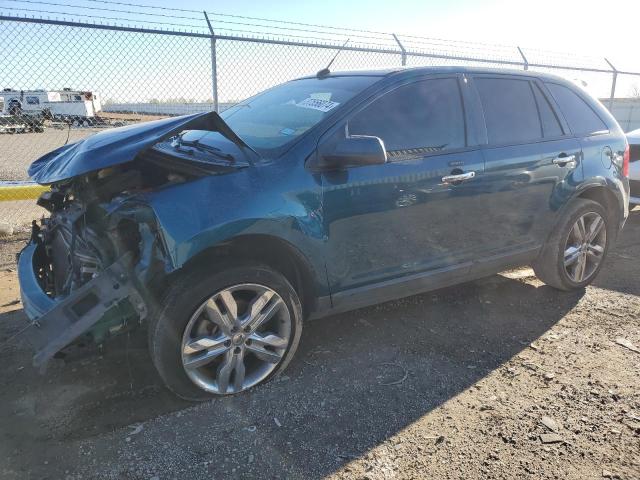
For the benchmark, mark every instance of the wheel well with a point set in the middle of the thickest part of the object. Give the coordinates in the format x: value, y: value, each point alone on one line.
x: 272, y: 252
x: 607, y: 199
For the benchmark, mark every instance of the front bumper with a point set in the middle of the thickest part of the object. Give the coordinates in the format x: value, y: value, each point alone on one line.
x: 58, y: 322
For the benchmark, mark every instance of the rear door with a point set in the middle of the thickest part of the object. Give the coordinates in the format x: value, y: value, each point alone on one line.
x: 529, y: 154
x: 598, y: 143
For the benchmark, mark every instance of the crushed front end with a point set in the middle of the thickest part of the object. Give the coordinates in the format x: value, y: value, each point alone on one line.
x: 92, y: 268
x: 95, y: 266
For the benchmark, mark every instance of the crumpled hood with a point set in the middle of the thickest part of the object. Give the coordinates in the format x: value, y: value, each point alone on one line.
x: 118, y: 146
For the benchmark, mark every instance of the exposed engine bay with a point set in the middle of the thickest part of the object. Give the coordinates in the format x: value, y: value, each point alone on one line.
x: 94, y: 222
x: 97, y: 224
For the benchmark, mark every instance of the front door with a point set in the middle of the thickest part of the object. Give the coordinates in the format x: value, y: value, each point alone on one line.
x: 404, y: 217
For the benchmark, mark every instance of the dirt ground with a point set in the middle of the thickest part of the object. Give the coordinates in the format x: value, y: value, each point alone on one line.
x: 499, y: 378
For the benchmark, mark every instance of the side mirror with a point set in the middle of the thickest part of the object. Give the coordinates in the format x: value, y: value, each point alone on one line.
x: 352, y: 151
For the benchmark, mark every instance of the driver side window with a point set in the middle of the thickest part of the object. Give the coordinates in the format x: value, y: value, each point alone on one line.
x: 424, y: 117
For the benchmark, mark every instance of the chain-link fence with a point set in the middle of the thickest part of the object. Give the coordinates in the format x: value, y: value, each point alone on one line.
x: 63, y: 80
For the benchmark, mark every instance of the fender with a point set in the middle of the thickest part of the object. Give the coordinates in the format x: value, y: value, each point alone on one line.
x: 207, y: 212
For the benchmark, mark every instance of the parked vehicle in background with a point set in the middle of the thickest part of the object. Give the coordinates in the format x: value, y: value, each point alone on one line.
x: 634, y: 166
x: 27, y: 122
x: 72, y: 106
x: 321, y: 195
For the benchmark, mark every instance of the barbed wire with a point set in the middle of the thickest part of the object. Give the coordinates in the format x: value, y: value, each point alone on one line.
x: 307, y: 38
x: 371, y: 34
x: 67, y: 5
x: 260, y: 26
x: 95, y: 17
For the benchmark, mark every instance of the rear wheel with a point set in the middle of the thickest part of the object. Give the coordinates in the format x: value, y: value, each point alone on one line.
x: 573, y: 255
x: 223, y: 333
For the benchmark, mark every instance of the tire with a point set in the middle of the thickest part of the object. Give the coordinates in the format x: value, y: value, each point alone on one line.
x: 183, y: 333
x: 560, y: 260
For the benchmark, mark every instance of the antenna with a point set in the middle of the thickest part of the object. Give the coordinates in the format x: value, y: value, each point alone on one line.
x: 325, y: 71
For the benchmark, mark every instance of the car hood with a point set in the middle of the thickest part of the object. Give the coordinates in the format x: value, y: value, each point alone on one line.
x: 121, y: 145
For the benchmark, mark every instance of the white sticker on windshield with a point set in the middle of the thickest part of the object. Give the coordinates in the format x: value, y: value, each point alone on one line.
x: 317, y: 104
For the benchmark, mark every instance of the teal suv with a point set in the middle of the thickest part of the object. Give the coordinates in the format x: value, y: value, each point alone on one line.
x: 222, y: 233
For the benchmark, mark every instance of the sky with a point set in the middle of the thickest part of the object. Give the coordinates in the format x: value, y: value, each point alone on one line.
x: 582, y: 27
x: 576, y: 29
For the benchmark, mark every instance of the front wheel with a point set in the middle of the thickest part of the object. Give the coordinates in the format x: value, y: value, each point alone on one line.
x: 222, y: 333
x: 575, y: 252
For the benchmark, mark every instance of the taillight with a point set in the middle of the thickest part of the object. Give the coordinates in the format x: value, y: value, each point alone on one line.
x: 625, y: 161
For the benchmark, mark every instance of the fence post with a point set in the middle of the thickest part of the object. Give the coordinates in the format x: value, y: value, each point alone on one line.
x: 214, y: 66
x: 526, y: 62
x: 613, y: 84
x: 403, y: 54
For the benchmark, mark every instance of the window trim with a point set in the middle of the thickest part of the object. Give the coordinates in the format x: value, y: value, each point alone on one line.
x: 342, y: 122
x: 587, y: 103
x: 563, y: 126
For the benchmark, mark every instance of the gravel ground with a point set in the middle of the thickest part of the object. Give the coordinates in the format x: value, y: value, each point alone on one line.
x: 19, y: 150
x: 499, y: 378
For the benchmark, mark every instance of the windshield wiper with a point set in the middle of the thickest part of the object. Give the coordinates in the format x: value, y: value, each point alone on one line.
x: 203, y: 148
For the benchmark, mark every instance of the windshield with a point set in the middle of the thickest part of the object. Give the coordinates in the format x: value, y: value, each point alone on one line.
x: 276, y: 117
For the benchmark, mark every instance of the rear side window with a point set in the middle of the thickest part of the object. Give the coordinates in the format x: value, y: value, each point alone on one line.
x: 580, y: 116
x: 425, y: 115
x: 550, y: 124
x: 510, y: 110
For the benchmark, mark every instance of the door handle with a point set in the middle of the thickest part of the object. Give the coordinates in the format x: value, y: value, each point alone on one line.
x: 563, y: 160
x: 457, y: 178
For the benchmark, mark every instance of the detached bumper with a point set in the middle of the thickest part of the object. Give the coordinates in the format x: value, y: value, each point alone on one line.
x: 34, y: 301
x: 57, y: 323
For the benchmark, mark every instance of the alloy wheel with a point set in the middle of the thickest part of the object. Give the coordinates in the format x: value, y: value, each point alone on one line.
x: 585, y: 247
x: 236, y: 338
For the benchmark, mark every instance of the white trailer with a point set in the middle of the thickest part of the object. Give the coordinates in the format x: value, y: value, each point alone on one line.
x: 65, y: 104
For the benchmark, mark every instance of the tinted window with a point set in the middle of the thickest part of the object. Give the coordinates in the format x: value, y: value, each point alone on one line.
x: 510, y: 110
x: 580, y: 116
x: 423, y: 115
x: 550, y: 124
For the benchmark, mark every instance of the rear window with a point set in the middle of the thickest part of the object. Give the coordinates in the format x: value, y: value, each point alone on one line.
x: 580, y: 116
x: 510, y: 110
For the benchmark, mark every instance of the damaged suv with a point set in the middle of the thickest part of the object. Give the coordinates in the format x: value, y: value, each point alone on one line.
x: 318, y: 196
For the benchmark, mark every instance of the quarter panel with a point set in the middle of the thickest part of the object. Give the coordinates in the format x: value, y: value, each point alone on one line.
x: 600, y: 169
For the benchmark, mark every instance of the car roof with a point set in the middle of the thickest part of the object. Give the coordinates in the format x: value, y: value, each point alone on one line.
x: 433, y: 70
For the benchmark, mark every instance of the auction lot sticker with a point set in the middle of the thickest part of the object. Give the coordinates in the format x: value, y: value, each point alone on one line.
x: 317, y: 104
